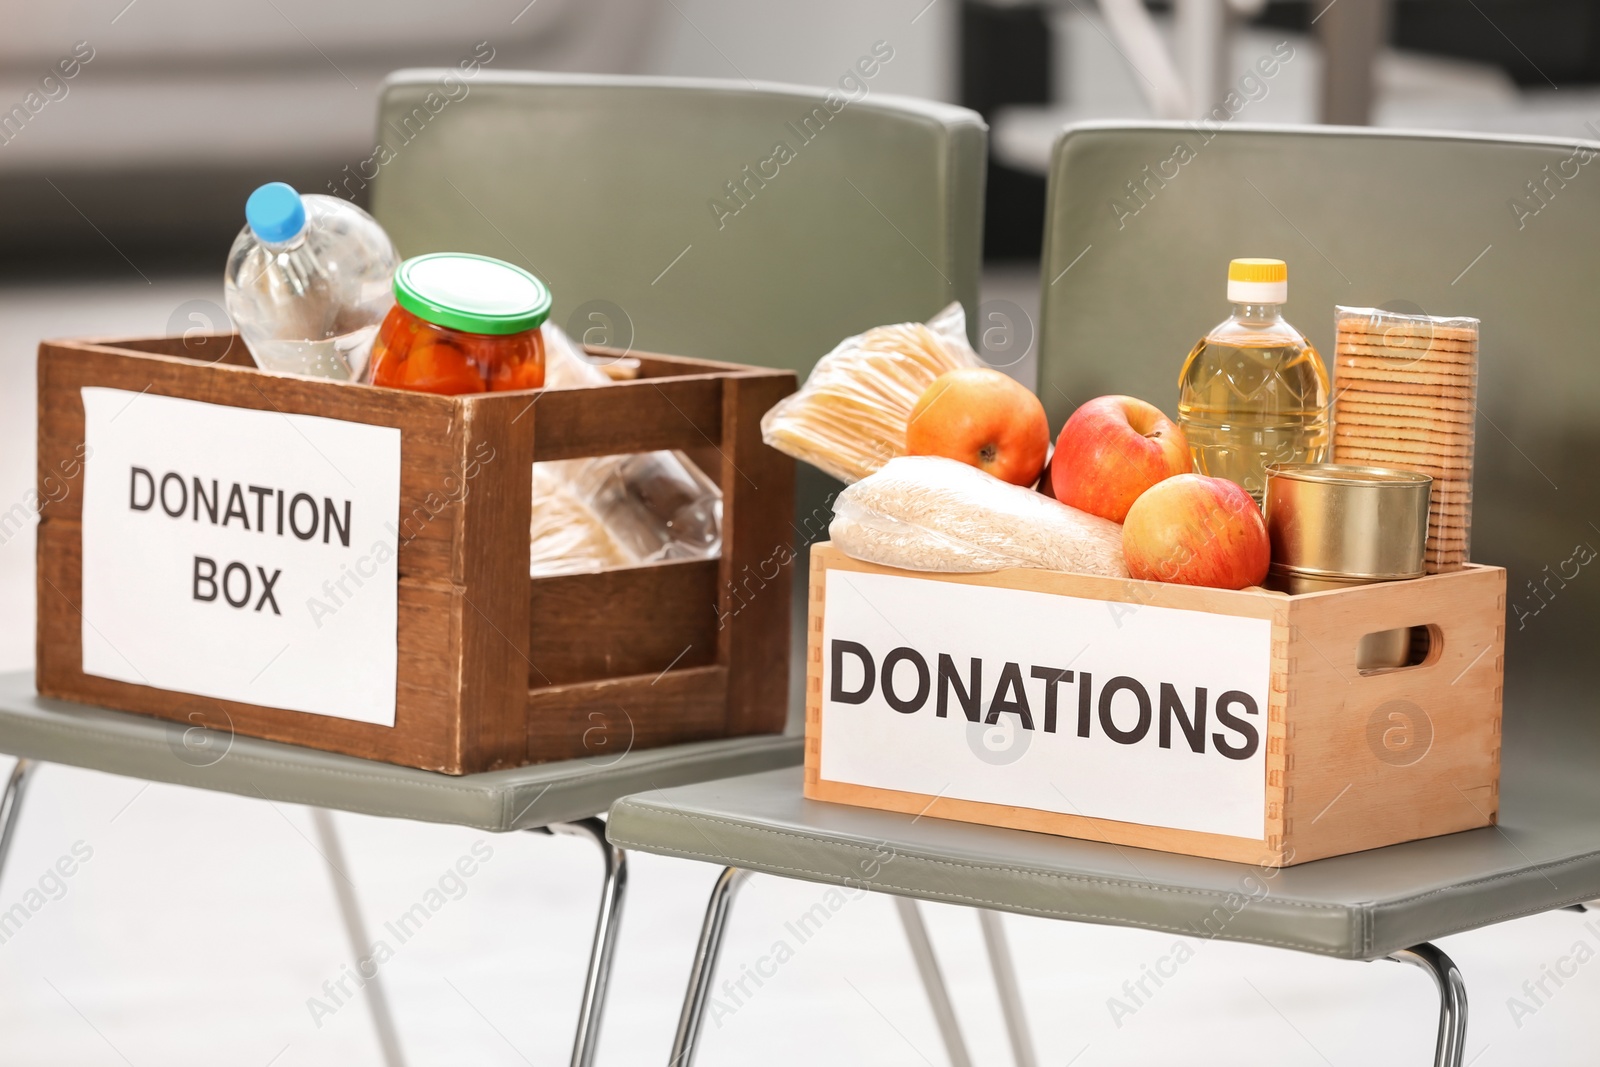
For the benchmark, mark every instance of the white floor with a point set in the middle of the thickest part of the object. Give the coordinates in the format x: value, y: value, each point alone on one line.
x: 196, y: 928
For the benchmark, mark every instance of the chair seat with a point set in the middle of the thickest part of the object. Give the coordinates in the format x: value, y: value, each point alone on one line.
x: 136, y: 746
x: 1544, y: 854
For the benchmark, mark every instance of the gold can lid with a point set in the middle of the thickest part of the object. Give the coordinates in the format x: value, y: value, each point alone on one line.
x: 1347, y: 474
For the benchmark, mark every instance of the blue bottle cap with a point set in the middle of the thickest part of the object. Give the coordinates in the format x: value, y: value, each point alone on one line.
x: 275, y: 213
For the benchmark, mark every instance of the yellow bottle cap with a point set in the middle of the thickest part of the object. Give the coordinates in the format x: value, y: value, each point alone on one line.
x: 1258, y: 281
x: 1258, y: 270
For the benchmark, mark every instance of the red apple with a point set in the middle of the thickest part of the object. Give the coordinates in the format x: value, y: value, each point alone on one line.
x: 1195, y: 530
x: 1111, y: 450
x: 984, y: 419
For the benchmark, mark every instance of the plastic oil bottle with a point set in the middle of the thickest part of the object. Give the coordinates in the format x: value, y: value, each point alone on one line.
x: 1254, y: 391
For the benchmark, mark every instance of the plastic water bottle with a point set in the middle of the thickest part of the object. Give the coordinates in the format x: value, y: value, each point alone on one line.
x: 308, y: 282
x: 658, y: 505
x: 655, y: 505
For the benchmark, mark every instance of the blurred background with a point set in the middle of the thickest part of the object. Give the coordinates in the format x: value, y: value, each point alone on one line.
x: 204, y: 923
x: 180, y: 107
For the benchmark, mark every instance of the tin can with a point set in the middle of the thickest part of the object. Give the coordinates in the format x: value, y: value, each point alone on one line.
x: 1337, y: 521
x: 1333, y: 526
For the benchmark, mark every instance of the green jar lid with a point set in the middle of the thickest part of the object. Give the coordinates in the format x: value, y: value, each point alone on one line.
x: 478, y: 294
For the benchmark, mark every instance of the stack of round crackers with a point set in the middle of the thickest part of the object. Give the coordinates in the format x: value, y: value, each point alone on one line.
x: 1405, y: 395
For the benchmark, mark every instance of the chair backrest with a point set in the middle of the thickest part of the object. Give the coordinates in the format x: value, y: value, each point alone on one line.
x: 728, y: 220
x: 749, y: 222
x: 1142, y: 221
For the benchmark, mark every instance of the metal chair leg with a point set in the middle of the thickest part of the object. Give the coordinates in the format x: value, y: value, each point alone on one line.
x: 697, y: 997
x: 606, y: 925
x: 1452, y: 1045
x: 360, y: 944
x: 11, y: 806
x: 932, y: 981
x: 1005, y: 983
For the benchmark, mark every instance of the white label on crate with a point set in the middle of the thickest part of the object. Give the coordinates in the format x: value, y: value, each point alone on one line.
x: 1130, y: 712
x: 242, y: 555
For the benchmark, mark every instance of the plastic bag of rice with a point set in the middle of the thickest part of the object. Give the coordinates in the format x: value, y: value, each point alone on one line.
x: 849, y: 418
x: 927, y: 513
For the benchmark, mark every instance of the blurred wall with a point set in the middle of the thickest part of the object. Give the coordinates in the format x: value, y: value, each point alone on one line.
x: 811, y: 42
x: 132, y: 131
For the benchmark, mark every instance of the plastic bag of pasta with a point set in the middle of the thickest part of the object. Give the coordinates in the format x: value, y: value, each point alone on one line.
x: 849, y: 418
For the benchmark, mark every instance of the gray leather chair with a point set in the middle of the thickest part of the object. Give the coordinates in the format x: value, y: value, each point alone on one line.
x: 659, y: 213
x: 1134, y: 272
x: 603, y: 186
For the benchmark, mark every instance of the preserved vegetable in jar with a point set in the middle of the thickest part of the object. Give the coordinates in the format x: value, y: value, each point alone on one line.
x: 462, y: 324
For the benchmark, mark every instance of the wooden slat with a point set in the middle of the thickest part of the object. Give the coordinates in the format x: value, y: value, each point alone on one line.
x: 638, y: 416
x: 1246, y: 603
x: 201, y: 347
x: 634, y: 620
x: 1275, y: 821
x: 230, y: 348
x: 757, y: 552
x: 491, y: 567
x: 1133, y: 835
x: 601, y: 721
x: 816, y: 611
x: 657, y: 365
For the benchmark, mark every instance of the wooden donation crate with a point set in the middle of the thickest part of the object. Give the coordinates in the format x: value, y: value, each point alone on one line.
x: 1228, y: 724
x: 346, y: 567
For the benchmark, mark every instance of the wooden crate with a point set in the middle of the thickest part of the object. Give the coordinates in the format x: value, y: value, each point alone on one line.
x: 494, y: 669
x: 1349, y: 759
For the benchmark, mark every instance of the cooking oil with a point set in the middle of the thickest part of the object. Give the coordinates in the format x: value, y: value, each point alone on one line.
x: 1254, y: 391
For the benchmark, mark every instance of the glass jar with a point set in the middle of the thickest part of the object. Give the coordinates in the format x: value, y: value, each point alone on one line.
x: 462, y: 324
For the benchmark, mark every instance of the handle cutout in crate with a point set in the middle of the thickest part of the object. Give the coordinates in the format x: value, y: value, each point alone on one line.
x: 1384, y: 651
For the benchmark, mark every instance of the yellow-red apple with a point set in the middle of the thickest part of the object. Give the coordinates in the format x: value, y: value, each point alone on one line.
x: 1111, y: 450
x: 1195, y: 530
x: 984, y: 419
